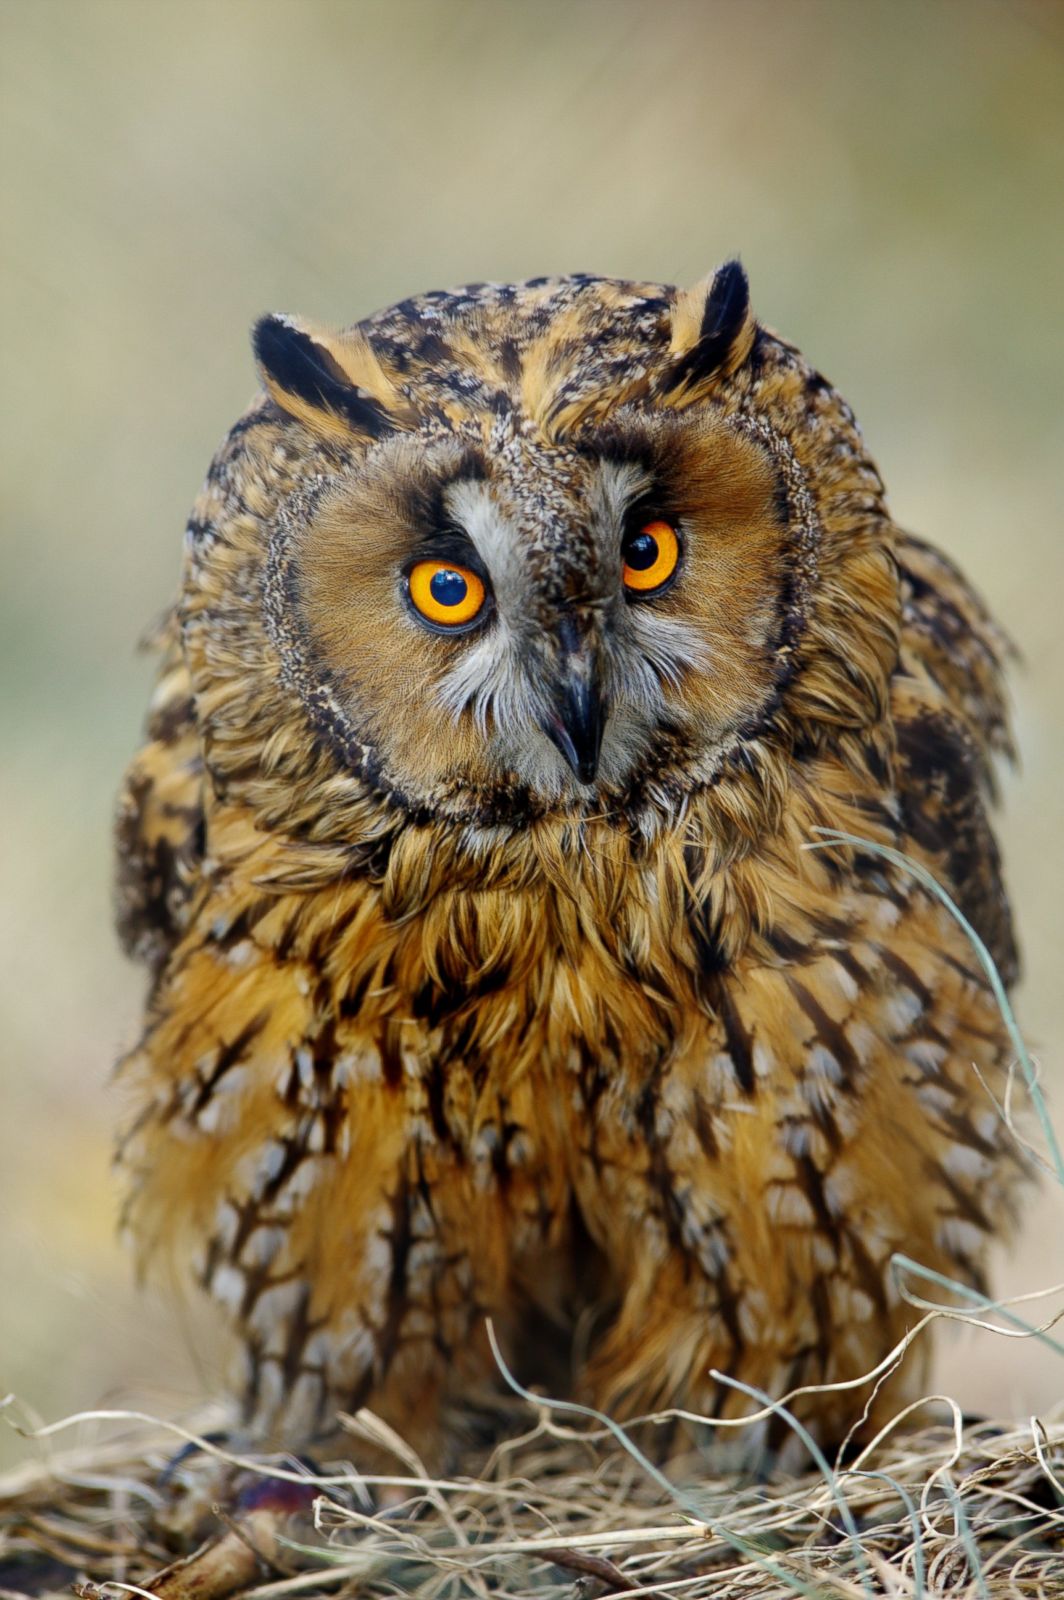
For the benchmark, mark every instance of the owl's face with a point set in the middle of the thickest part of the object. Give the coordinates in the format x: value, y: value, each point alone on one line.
x: 546, y: 547
x: 503, y: 607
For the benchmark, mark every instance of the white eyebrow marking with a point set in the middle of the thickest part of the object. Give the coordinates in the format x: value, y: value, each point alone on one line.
x: 473, y: 506
x: 614, y: 487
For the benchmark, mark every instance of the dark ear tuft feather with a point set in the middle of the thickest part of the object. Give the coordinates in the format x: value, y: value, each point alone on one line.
x: 727, y: 304
x: 721, y: 336
x: 297, y: 366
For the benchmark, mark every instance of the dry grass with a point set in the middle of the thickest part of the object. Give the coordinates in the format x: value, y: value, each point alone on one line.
x: 946, y: 1510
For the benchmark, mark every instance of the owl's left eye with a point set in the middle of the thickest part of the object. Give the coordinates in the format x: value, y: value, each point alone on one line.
x: 650, y: 555
x: 445, y: 595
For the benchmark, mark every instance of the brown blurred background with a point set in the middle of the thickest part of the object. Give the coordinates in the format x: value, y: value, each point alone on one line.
x: 892, y: 172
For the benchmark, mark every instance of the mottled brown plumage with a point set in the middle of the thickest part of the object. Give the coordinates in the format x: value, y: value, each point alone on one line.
x: 441, y: 1024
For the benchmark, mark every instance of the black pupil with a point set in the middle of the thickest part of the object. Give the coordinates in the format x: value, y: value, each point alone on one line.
x: 641, y: 551
x: 448, y: 588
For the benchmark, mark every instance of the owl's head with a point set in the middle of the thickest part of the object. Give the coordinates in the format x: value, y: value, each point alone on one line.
x: 570, y: 544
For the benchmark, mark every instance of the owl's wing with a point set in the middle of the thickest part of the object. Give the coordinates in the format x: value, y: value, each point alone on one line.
x: 951, y: 718
x: 159, y: 834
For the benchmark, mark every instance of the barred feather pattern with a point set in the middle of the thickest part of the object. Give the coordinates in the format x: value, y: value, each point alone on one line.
x: 428, y: 1041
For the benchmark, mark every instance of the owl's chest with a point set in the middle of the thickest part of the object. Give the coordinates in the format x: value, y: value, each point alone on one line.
x: 518, y: 1075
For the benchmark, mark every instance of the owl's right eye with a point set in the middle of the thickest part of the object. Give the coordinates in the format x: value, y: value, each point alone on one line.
x: 445, y: 595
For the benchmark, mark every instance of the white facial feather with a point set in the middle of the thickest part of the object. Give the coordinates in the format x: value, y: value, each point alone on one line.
x: 502, y: 676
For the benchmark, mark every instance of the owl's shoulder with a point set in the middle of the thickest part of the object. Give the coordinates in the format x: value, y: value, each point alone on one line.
x: 950, y: 640
x: 159, y: 825
x: 951, y: 721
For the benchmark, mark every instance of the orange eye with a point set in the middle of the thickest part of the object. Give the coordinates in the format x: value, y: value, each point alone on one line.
x: 650, y: 557
x: 444, y: 595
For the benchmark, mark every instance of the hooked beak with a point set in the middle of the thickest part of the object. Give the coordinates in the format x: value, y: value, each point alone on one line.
x: 576, y: 723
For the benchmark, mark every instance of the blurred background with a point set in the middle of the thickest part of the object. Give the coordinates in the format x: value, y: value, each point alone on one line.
x: 892, y: 172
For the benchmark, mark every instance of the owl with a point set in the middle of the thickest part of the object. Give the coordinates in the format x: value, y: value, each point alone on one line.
x: 527, y: 636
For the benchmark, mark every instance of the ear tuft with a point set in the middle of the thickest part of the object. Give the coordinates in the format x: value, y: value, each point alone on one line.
x: 712, y: 330
x: 302, y: 369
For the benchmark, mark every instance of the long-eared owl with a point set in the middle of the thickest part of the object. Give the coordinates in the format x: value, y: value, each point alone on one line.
x: 527, y: 636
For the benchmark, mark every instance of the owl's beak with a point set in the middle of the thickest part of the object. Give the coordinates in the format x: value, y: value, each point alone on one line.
x: 576, y: 723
